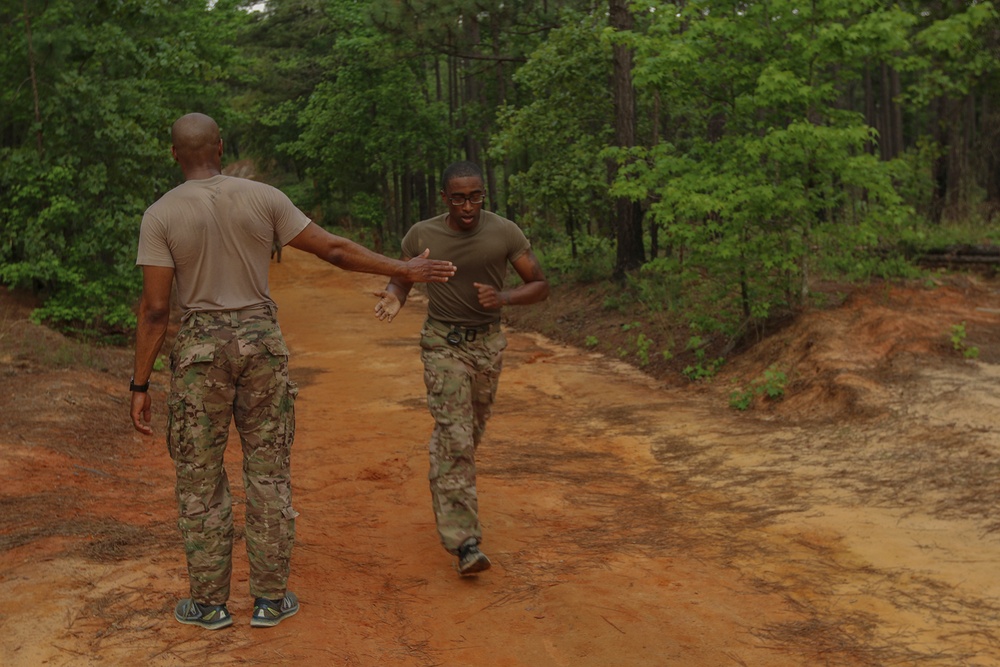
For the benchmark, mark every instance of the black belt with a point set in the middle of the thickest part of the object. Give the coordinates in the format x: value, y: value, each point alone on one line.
x: 456, y: 333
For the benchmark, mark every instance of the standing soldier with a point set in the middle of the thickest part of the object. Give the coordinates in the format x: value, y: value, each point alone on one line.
x: 213, y: 234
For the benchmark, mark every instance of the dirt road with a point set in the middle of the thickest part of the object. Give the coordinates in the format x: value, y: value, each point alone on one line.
x: 629, y: 524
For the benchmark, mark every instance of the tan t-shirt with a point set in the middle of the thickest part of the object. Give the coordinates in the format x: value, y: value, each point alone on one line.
x: 217, y: 234
x: 479, y: 256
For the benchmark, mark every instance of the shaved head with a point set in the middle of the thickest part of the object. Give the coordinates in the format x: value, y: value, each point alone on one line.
x: 194, y: 132
x: 197, y: 143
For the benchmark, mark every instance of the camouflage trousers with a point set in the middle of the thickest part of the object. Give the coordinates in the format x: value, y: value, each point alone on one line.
x: 233, y: 366
x: 461, y: 383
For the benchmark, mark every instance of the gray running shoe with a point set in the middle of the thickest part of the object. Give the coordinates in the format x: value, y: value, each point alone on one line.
x: 208, y: 616
x: 268, y: 613
x: 470, y: 559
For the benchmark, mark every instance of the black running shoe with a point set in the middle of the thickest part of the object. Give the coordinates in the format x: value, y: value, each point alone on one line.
x: 208, y: 616
x: 268, y: 613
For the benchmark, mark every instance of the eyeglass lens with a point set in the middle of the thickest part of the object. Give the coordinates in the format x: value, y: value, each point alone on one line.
x: 459, y: 200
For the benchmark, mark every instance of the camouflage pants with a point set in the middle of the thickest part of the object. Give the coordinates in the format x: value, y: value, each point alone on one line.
x: 233, y: 366
x: 461, y: 383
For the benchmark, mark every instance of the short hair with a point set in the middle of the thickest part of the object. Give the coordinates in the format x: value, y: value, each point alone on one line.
x: 461, y: 169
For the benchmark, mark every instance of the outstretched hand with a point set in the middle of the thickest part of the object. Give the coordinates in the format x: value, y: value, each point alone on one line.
x: 387, y: 307
x: 419, y: 269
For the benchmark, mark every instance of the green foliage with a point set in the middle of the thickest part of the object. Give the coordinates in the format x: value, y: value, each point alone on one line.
x: 770, y: 384
x: 280, y: 68
x: 704, y: 367
x: 593, y: 259
x: 566, y: 178
x: 638, y: 344
x: 741, y: 400
x: 768, y: 181
x: 614, y: 302
x: 949, y: 52
x: 756, y: 161
x: 379, y: 97
x: 974, y: 231
x: 912, y: 175
x: 958, y: 343
x: 642, y: 345
x: 77, y: 171
x: 657, y: 286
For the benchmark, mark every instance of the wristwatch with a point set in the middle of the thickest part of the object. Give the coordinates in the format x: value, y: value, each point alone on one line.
x: 132, y: 386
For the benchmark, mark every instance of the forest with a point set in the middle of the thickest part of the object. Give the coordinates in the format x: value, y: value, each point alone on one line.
x: 713, y: 159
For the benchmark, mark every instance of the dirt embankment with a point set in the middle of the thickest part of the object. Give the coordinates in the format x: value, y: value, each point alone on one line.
x: 631, y: 522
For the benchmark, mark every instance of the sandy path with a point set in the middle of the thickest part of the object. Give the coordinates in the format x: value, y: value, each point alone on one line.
x: 585, y: 572
x: 628, y: 524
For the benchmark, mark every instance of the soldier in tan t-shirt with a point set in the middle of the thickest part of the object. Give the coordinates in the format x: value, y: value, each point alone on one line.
x: 213, y: 234
x: 462, y: 344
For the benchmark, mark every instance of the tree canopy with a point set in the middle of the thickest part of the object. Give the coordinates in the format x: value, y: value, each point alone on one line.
x: 725, y: 153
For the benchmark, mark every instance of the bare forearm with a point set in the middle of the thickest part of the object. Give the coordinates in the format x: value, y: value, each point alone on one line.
x: 392, y: 298
x: 399, y: 288
x: 526, y: 294
x: 535, y: 287
x: 350, y: 256
x: 150, y: 334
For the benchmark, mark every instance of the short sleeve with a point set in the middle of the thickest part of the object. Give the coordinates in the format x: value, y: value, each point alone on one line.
x: 153, y: 247
x: 289, y: 221
x: 517, y: 242
x: 410, y: 242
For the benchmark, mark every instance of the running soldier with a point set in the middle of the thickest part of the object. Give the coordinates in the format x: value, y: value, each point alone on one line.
x: 462, y: 344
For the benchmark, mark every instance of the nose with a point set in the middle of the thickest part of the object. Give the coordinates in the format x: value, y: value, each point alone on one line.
x: 467, y: 205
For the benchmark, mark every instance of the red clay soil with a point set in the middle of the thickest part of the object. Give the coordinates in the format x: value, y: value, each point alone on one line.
x: 630, y: 523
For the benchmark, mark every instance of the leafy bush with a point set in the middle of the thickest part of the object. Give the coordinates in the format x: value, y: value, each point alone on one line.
x: 958, y: 343
x: 594, y: 261
x: 771, y: 384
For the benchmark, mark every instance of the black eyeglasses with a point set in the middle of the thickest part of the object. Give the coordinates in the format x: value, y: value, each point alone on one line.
x: 459, y: 200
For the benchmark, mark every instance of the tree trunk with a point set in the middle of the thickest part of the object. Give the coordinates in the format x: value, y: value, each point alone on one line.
x: 498, y: 195
x: 471, y: 94
x: 885, y: 129
x: 406, y: 206
x: 421, y: 194
x: 940, y: 168
x: 571, y: 232
x: 432, y: 194
x: 989, y: 131
x: 870, y: 115
x: 34, y: 77
x: 957, y: 161
x: 898, y: 144
x: 452, y: 89
x: 654, y: 229
x: 628, y: 225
